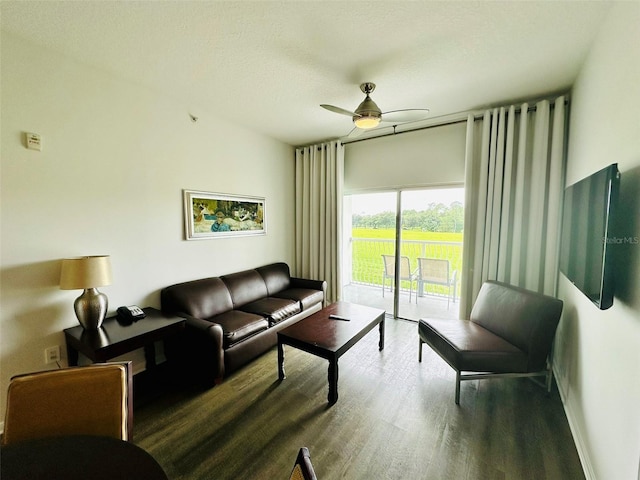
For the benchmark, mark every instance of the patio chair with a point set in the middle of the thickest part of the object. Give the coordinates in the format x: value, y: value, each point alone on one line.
x: 436, y: 271
x: 389, y: 272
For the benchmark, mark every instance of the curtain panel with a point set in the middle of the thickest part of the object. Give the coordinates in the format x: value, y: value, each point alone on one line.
x: 319, y: 191
x: 514, y: 175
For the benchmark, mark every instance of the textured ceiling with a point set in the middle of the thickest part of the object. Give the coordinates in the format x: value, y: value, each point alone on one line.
x: 269, y: 65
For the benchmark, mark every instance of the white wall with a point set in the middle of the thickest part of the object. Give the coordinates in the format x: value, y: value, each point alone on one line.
x: 109, y: 180
x: 598, y: 352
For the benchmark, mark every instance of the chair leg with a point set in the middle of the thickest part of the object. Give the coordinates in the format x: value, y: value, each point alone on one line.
x: 420, y: 342
x: 457, y: 388
x: 549, y: 380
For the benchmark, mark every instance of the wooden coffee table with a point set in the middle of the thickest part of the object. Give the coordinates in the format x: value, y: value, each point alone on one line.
x: 329, y: 338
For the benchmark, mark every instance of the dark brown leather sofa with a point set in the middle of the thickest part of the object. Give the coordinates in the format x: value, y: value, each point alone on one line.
x: 232, y: 319
x: 509, y: 334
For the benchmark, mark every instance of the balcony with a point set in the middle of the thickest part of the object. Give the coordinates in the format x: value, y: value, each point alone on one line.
x: 365, y: 269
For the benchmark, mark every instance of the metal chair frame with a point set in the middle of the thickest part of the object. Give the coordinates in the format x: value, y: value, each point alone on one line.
x: 461, y: 377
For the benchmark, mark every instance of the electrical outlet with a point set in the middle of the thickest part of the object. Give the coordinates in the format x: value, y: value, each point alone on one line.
x: 52, y: 354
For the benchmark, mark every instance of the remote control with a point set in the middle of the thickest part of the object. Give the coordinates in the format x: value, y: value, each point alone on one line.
x: 338, y: 317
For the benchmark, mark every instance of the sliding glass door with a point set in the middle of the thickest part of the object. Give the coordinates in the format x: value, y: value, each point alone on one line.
x: 425, y: 268
x: 431, y: 245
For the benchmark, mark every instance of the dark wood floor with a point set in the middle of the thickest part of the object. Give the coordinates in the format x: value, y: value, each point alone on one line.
x: 395, y: 419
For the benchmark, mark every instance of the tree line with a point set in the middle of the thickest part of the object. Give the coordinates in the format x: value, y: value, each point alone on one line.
x: 437, y: 217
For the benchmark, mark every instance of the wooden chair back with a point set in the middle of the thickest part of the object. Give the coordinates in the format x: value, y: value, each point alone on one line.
x: 91, y: 400
x: 303, y: 468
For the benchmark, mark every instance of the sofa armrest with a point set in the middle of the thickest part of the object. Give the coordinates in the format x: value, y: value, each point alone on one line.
x: 312, y: 284
x: 201, y: 348
x: 212, y: 329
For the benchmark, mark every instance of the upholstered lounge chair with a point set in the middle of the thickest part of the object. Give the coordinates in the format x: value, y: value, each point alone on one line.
x: 509, y: 334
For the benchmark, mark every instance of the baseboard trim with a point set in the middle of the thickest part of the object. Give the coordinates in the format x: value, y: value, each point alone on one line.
x: 578, y: 438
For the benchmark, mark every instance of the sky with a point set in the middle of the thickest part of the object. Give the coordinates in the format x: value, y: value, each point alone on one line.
x: 371, y: 203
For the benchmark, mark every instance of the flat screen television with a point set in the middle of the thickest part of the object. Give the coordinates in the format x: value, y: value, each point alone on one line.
x: 586, y: 250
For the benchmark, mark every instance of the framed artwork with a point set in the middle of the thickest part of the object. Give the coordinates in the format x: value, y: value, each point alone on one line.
x: 220, y: 215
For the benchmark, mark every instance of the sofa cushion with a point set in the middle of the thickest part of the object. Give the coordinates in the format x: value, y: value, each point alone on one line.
x: 306, y: 296
x: 276, y: 277
x: 274, y: 309
x: 467, y: 346
x: 202, y: 298
x: 245, y: 287
x: 238, y: 325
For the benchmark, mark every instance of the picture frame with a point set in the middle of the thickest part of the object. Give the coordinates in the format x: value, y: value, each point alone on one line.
x: 220, y: 215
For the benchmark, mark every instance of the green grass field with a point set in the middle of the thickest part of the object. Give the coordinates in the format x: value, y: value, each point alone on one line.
x: 389, y: 233
x: 369, y: 245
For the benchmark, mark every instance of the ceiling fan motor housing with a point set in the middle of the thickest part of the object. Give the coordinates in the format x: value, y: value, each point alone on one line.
x: 368, y: 114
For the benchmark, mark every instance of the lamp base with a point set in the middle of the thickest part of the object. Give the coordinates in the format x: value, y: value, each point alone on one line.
x: 91, y: 308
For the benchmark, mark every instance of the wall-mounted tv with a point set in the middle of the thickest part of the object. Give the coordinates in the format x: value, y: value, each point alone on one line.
x: 586, y: 256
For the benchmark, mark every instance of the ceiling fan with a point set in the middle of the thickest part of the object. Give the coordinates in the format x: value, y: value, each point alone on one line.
x: 368, y: 115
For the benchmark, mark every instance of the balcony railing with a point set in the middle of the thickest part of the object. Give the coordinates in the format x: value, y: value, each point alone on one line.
x: 366, y: 258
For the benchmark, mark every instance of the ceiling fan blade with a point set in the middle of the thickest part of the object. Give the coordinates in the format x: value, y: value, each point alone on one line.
x: 406, y: 115
x: 339, y: 110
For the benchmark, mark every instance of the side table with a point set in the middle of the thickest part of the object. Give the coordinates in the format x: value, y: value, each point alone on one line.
x: 116, y: 338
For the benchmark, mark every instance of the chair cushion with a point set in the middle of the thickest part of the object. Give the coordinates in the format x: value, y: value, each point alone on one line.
x: 524, y: 318
x: 274, y: 309
x: 238, y: 325
x: 467, y: 346
x: 306, y: 296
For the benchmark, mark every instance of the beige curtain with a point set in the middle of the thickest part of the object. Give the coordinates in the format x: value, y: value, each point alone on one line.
x: 319, y: 191
x: 514, y: 176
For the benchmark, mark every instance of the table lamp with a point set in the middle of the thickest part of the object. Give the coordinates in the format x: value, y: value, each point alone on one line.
x: 88, y: 273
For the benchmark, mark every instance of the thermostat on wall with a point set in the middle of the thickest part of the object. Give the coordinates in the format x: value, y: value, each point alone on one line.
x: 34, y: 142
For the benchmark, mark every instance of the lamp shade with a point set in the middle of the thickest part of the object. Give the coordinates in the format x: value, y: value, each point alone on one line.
x: 85, y: 272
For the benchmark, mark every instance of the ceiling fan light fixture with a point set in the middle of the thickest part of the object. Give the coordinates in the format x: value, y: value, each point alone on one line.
x: 367, y: 121
x: 368, y: 114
